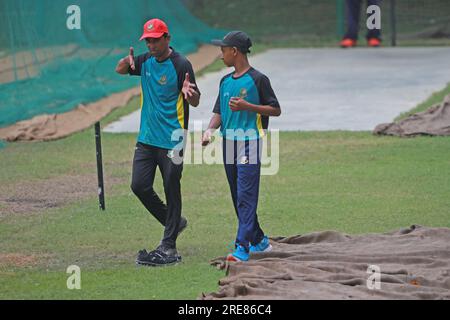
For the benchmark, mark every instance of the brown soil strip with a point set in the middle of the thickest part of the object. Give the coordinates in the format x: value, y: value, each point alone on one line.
x: 20, y: 260
x: 28, y: 197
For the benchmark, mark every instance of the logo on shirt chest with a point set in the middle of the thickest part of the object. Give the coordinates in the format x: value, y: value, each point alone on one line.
x: 243, y: 93
x: 163, y: 80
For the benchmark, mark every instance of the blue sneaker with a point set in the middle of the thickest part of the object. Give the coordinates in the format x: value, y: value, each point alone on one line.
x: 239, y: 254
x: 263, y: 246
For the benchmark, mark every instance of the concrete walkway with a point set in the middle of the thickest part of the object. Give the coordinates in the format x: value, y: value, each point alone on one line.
x: 334, y: 89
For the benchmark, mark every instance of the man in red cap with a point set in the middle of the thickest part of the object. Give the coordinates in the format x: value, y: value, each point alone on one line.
x: 168, y: 88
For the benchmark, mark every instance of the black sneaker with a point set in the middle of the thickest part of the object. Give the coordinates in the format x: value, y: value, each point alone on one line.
x: 167, y: 250
x: 141, y: 254
x: 158, y: 258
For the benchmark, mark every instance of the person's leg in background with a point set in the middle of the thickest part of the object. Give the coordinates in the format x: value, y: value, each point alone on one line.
x: 352, y: 13
x: 373, y: 35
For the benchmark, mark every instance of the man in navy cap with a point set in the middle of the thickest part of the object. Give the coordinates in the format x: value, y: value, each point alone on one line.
x: 245, y: 102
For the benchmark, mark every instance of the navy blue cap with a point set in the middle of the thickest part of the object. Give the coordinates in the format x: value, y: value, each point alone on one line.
x: 238, y: 39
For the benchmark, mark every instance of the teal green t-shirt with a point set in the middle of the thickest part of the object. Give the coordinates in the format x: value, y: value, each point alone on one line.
x: 164, y: 111
x: 255, y: 88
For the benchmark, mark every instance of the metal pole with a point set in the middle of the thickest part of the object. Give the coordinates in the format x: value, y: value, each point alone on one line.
x: 98, y: 147
x: 393, y: 24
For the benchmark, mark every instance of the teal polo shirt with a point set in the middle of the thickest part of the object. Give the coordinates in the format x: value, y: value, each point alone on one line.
x: 255, y: 88
x: 164, y: 110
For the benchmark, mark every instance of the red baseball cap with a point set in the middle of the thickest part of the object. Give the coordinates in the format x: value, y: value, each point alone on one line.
x: 154, y: 28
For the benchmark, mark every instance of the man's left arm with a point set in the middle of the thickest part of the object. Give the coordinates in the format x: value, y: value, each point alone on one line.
x: 190, y: 90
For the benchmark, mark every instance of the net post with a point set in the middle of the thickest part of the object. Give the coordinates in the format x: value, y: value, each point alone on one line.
x: 98, y: 148
x: 393, y: 20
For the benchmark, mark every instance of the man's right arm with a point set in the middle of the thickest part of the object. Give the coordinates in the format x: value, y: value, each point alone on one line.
x: 126, y: 63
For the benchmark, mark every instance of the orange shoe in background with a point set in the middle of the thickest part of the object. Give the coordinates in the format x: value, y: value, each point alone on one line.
x: 348, y: 43
x: 373, y: 42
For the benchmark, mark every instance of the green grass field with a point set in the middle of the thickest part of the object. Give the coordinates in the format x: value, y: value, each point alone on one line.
x: 351, y: 182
